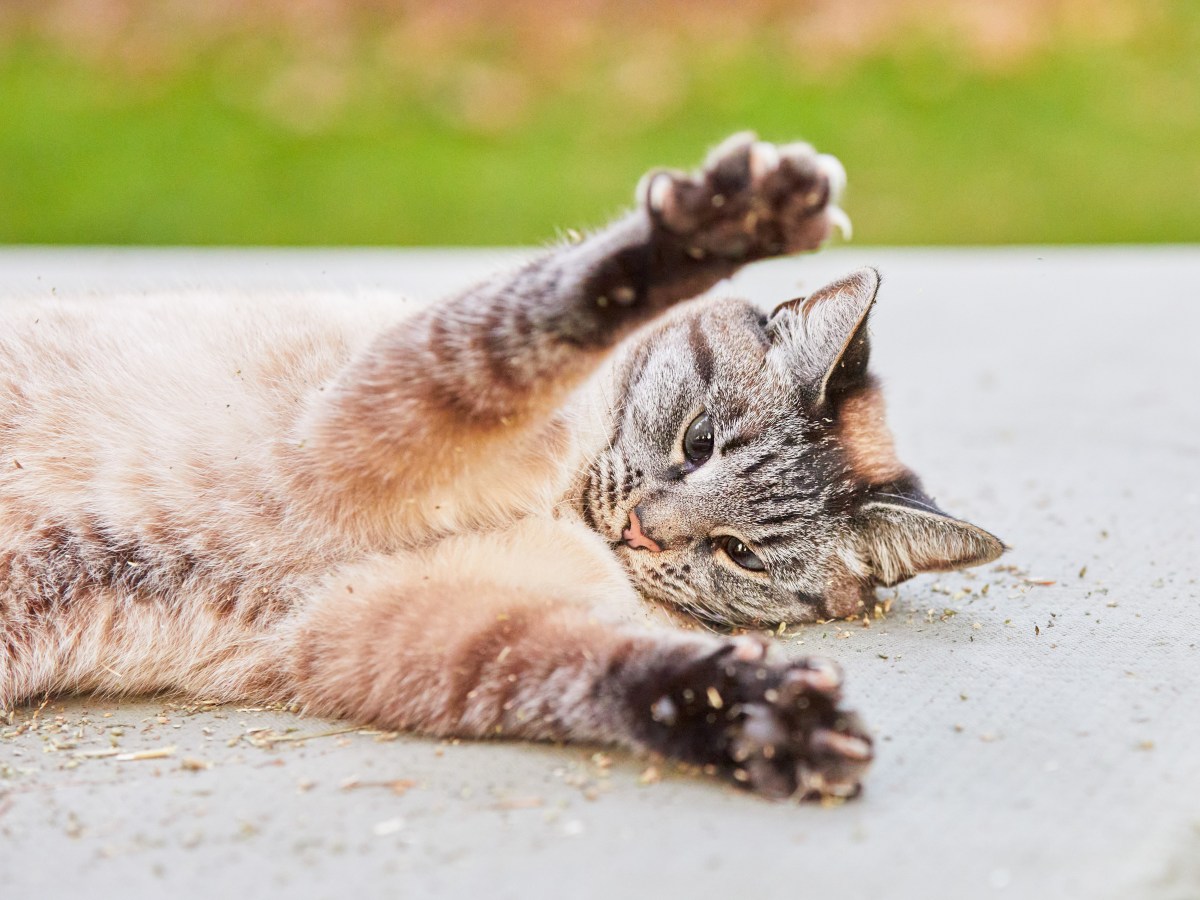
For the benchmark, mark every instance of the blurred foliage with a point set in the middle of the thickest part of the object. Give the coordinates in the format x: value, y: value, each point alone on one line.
x: 502, y: 121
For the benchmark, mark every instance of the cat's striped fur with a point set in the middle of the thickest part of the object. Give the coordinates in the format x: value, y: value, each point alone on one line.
x: 428, y: 524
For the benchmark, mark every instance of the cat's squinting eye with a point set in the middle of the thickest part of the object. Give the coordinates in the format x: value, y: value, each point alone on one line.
x: 740, y: 553
x: 698, y: 440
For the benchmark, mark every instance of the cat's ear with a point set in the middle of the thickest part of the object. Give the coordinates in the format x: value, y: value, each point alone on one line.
x: 904, y: 539
x: 825, y: 334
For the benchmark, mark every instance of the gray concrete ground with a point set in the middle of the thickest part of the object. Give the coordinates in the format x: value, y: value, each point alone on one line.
x: 1037, y: 721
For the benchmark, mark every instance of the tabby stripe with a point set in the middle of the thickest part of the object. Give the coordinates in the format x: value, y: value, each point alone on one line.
x: 522, y: 323
x: 630, y: 376
x: 738, y: 441
x: 610, y: 488
x: 762, y: 542
x: 479, y: 653
x: 776, y: 520
x: 586, y: 501
x: 776, y: 498
x: 758, y: 464
x: 440, y: 338
x: 494, y: 345
x: 702, y: 354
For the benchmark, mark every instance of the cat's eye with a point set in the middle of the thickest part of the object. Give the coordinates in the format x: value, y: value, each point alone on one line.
x: 737, y: 550
x: 698, y: 440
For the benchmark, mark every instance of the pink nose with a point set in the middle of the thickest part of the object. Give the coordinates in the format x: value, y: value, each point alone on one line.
x: 634, y: 538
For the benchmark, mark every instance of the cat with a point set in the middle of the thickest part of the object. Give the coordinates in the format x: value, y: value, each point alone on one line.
x: 502, y: 515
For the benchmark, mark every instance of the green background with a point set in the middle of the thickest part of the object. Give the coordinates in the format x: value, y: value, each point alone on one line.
x: 363, y: 130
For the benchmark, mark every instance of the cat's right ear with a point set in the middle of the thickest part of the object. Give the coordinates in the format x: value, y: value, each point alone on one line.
x: 904, y: 538
x: 825, y: 333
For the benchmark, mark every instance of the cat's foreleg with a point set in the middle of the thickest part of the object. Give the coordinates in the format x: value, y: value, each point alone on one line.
x: 525, y: 337
x: 461, y: 644
x: 476, y: 379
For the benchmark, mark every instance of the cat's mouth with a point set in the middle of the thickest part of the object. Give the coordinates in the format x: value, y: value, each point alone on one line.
x: 629, y: 534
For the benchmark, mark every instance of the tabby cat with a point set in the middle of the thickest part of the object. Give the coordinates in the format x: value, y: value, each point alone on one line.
x: 478, y: 519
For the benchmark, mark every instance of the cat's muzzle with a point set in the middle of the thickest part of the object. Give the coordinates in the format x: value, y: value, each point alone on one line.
x: 634, y: 538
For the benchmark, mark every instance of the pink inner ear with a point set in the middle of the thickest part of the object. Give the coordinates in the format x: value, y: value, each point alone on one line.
x: 795, y: 305
x: 904, y: 541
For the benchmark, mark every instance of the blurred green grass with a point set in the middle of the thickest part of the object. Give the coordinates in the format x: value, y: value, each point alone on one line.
x: 1087, y: 144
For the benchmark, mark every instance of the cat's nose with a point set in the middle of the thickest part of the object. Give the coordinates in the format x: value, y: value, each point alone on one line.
x: 634, y: 537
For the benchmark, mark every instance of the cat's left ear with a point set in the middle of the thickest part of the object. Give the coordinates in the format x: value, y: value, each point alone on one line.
x: 826, y: 333
x: 904, y: 539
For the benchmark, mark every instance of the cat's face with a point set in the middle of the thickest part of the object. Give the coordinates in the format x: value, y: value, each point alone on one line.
x: 749, y: 476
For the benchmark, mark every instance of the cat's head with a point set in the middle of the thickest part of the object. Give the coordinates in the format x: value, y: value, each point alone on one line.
x: 749, y: 476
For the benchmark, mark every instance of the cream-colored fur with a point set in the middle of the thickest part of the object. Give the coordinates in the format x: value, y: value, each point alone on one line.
x: 182, y: 419
x: 379, y: 512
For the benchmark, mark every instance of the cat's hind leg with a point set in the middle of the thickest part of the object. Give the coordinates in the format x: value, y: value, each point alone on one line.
x: 471, y: 640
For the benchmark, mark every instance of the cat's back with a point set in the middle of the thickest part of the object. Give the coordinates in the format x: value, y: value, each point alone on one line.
x: 151, y: 362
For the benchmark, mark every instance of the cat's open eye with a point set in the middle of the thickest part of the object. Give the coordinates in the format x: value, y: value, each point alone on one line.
x: 698, y: 440
x: 740, y: 553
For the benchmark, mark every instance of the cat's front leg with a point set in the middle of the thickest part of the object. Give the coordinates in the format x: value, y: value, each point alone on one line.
x: 541, y: 669
x: 465, y: 641
x: 750, y: 200
x: 462, y: 396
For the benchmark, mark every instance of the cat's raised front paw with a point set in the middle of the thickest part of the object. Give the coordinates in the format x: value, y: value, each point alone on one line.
x: 751, y: 199
x: 775, y: 728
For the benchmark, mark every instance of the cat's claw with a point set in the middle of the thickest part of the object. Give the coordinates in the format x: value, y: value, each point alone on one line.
x: 750, y: 200
x: 775, y: 728
x: 841, y: 222
x: 836, y: 173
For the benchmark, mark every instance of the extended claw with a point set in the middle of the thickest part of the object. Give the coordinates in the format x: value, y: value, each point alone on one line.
x: 657, y: 188
x: 816, y: 674
x: 846, y: 745
x: 764, y: 159
x: 835, y: 172
x: 840, y: 221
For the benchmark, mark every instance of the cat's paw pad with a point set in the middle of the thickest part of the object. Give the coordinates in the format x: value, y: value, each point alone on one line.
x: 776, y: 728
x: 751, y: 199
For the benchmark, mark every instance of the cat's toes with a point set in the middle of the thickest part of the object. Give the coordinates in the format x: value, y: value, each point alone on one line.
x: 751, y: 199
x: 797, y: 742
x: 774, y: 728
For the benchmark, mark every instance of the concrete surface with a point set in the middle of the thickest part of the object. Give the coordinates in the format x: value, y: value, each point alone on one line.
x: 1039, y: 740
